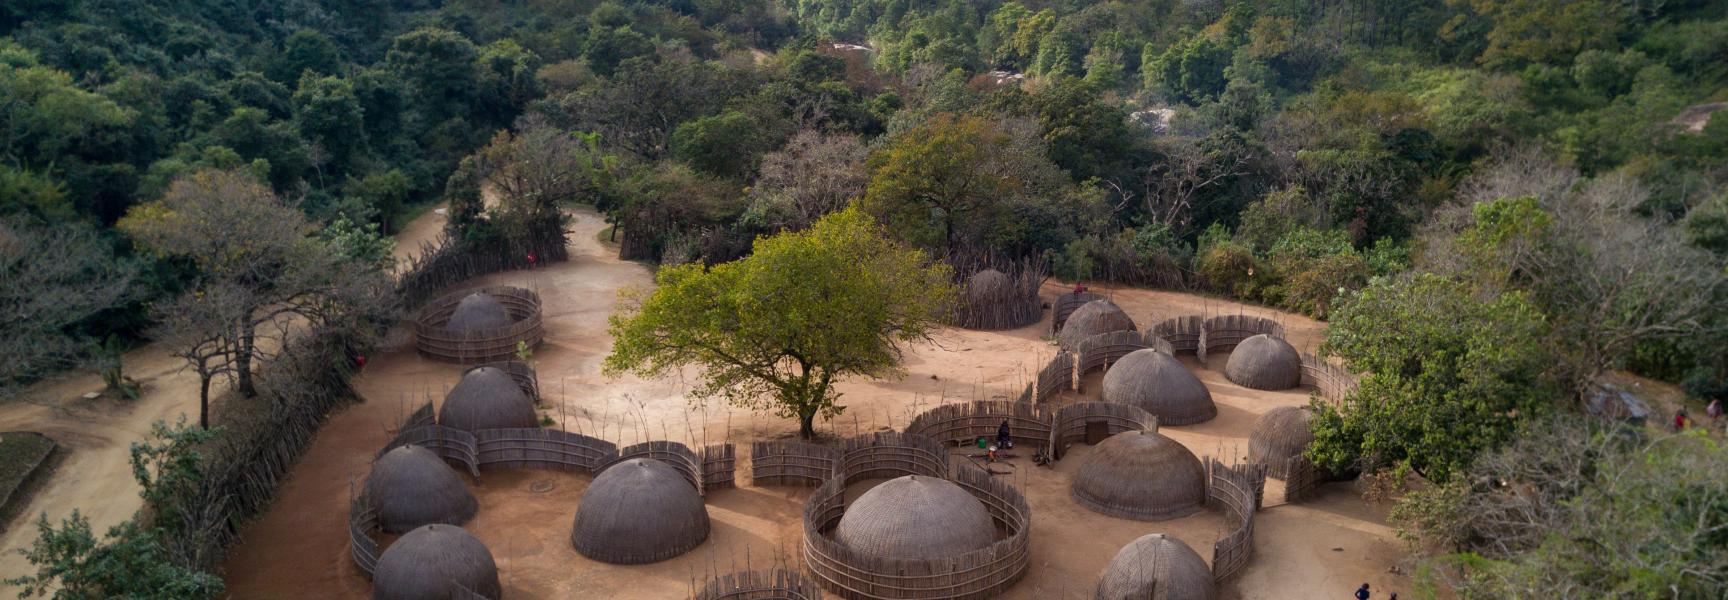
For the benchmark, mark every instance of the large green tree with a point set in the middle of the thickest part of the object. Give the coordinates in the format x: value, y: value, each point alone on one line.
x: 776, y: 330
x: 1446, y: 374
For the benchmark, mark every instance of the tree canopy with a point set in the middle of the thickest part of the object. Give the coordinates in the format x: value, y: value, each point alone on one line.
x: 778, y: 329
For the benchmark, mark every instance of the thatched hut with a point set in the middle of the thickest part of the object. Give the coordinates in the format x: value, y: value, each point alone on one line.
x: 1093, y: 318
x: 1264, y: 362
x: 1141, y: 475
x: 478, y: 311
x: 1279, y: 435
x: 1159, y: 384
x: 639, y: 511
x: 436, y: 562
x: 411, y: 486
x: 1156, y: 567
x: 487, y: 398
x: 916, y: 517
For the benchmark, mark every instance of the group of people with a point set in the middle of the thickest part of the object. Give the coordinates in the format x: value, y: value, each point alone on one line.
x: 1714, y: 411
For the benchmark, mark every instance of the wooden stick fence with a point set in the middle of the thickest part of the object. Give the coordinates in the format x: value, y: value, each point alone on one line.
x: 1333, y: 382
x: 485, y: 345
x: 1182, y: 333
x: 1225, y: 331
x: 774, y: 584
x: 1106, y: 348
x: 1237, y: 490
x: 982, y: 573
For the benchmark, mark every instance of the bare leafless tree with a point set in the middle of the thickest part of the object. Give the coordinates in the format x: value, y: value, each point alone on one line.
x: 1170, y: 186
x: 813, y: 175
x: 52, y: 278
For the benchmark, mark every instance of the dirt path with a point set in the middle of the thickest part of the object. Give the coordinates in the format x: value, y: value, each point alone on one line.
x: 299, y: 548
x: 95, y: 437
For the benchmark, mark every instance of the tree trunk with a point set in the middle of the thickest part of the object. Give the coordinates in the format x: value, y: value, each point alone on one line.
x: 807, y: 425
x: 203, y: 401
x: 243, y: 358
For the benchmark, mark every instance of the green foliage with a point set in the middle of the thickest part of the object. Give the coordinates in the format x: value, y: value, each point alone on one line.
x: 724, y: 145
x: 1446, y: 374
x: 131, y: 561
x: 362, y: 243
x: 1192, y: 71
x: 777, y: 329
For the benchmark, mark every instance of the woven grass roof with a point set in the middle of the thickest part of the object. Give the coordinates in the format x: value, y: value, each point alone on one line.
x: 487, y: 398
x: 1141, y: 475
x: 1156, y: 567
x: 436, y: 561
x: 1263, y: 362
x: 639, y: 511
x: 411, y: 486
x: 916, y: 517
x: 988, y: 285
x: 1159, y: 384
x: 478, y: 311
x: 1093, y: 318
x: 1279, y: 435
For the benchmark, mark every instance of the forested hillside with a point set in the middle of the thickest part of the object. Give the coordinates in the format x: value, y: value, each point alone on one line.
x: 1533, y: 191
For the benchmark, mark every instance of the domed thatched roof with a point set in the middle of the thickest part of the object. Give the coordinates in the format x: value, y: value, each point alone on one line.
x: 988, y: 285
x: 1278, y: 435
x: 916, y: 517
x: 1264, y: 362
x: 1159, y: 384
x: 432, y: 562
x: 487, y: 398
x: 639, y: 511
x: 410, y: 486
x: 1141, y: 475
x: 1156, y: 567
x: 1093, y: 318
x: 476, y: 312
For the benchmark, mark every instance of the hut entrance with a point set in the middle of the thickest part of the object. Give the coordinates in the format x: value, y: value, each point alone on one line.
x: 1096, y: 431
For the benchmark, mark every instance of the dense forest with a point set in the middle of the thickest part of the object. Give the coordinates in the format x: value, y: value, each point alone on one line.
x: 1495, y: 202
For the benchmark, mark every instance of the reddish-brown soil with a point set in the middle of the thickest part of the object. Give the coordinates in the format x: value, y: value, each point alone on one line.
x: 1319, y: 549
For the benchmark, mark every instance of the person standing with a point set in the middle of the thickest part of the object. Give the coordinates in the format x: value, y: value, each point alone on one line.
x: 1362, y: 592
x: 1680, y: 420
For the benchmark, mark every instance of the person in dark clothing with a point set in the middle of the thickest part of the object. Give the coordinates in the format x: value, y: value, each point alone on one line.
x: 1002, y: 438
x: 1362, y: 592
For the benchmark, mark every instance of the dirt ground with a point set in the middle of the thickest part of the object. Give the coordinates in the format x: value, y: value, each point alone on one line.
x: 1319, y: 549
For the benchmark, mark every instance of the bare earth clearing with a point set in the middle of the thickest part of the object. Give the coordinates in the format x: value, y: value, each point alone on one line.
x: 299, y: 548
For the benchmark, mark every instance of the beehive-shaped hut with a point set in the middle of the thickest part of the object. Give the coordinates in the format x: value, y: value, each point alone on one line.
x: 478, y: 311
x: 1279, y: 435
x: 1264, y: 362
x: 436, y: 561
x: 916, y: 517
x: 639, y: 511
x: 1093, y: 318
x: 1141, y: 475
x: 1156, y: 567
x: 1159, y: 384
x: 487, y: 398
x: 411, y: 486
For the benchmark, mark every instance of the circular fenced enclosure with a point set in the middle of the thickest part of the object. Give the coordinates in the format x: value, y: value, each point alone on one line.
x: 859, y: 574
x: 477, y: 333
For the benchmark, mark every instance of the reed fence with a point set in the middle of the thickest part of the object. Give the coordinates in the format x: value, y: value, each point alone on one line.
x: 1183, y: 333
x: 449, y: 443
x: 1225, y: 331
x: 1065, y: 305
x: 520, y: 372
x: 968, y: 421
x: 1302, y: 478
x: 1069, y: 422
x: 719, y: 466
x: 982, y: 573
x: 362, y: 521
x: 1057, y: 375
x: 1332, y: 381
x: 1104, y: 349
x: 541, y: 448
x: 791, y: 463
x: 679, y: 456
x: 1237, y: 491
x: 485, y: 345
x: 773, y: 584
x: 1010, y: 302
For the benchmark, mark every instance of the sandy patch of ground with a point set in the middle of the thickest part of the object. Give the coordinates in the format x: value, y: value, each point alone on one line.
x: 298, y: 549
